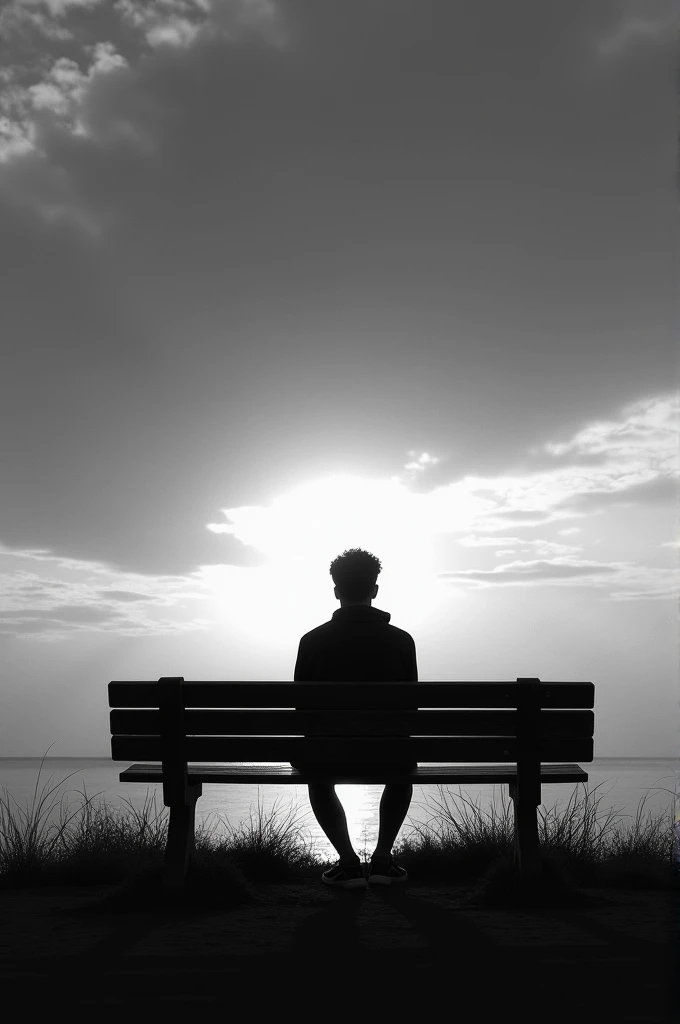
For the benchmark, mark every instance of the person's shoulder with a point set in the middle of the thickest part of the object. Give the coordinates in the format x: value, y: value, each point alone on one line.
x: 403, y: 636
x: 398, y: 634
x: 317, y: 631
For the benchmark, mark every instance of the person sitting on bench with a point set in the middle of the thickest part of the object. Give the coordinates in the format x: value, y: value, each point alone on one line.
x: 357, y: 644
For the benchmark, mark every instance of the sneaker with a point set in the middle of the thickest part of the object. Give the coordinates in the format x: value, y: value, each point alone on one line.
x: 347, y: 875
x: 385, y: 871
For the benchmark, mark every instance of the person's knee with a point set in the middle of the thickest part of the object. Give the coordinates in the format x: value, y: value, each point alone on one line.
x: 399, y: 788
x: 321, y: 789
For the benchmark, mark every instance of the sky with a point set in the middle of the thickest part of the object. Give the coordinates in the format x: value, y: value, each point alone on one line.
x: 280, y: 278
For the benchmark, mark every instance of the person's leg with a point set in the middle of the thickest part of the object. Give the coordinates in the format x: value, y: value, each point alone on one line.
x: 394, y: 804
x: 330, y: 814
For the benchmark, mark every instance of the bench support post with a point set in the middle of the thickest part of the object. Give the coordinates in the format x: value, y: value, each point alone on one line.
x: 527, y: 847
x: 181, y: 838
x: 178, y: 795
x: 526, y: 792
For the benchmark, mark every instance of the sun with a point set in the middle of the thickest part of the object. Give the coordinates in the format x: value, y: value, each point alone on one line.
x: 302, y: 531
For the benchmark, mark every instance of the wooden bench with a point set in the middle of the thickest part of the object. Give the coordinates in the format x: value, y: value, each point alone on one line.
x: 532, y: 722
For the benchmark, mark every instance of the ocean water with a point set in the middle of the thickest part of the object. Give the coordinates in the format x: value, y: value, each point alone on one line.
x: 621, y: 784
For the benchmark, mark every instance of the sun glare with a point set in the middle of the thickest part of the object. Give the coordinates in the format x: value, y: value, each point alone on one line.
x: 301, y: 532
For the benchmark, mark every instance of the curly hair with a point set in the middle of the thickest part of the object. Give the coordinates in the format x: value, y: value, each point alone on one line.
x: 354, y: 573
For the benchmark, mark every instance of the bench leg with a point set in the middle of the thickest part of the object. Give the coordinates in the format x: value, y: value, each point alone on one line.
x: 180, y: 843
x: 527, y: 847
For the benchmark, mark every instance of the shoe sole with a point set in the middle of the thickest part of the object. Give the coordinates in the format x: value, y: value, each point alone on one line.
x: 351, y: 883
x: 387, y: 879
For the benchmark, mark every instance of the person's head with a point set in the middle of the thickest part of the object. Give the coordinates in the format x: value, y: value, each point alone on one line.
x: 354, y: 573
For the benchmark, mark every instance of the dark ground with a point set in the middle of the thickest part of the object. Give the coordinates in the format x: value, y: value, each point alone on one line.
x: 304, y: 949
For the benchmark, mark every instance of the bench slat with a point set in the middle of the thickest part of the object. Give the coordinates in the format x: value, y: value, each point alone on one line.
x: 332, y: 748
x: 133, y: 722
x: 339, y: 695
x: 423, y: 775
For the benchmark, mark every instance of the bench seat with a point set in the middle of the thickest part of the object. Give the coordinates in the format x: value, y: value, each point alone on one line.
x: 425, y: 774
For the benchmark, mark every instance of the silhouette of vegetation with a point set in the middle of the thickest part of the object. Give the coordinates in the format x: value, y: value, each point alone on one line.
x: 99, y: 844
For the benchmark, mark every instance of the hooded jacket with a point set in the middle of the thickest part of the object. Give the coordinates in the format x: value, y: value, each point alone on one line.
x: 357, y: 644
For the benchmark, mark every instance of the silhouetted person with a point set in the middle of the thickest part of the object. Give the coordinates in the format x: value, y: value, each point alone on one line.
x: 357, y: 645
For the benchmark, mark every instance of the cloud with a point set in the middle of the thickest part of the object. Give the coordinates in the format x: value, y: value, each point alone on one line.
x: 649, y: 424
x: 651, y: 23
x: 25, y: 18
x: 305, y: 527
x: 102, y: 100
x: 531, y: 572
x: 58, y: 628
x: 660, y: 491
x: 173, y: 24
x: 481, y: 542
x: 635, y: 582
x: 472, y: 541
x: 19, y: 20
x: 637, y: 463
x: 633, y: 459
x: 180, y: 22
x: 509, y: 545
x: 421, y: 461
x: 66, y: 103
x: 55, y: 8
x: 45, y: 608
x: 83, y: 613
x: 669, y: 592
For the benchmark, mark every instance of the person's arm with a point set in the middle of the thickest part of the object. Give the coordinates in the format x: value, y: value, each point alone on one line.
x: 411, y: 666
x: 411, y: 675
x: 302, y: 673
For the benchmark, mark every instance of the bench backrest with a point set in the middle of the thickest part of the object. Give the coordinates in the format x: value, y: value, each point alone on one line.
x: 258, y: 721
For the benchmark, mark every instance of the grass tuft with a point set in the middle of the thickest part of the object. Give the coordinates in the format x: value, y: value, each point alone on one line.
x: 269, y: 848
x: 579, y: 845
x: 103, y: 845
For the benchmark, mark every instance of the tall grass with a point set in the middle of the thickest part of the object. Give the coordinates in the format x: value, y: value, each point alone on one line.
x: 591, y: 847
x: 101, y: 844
